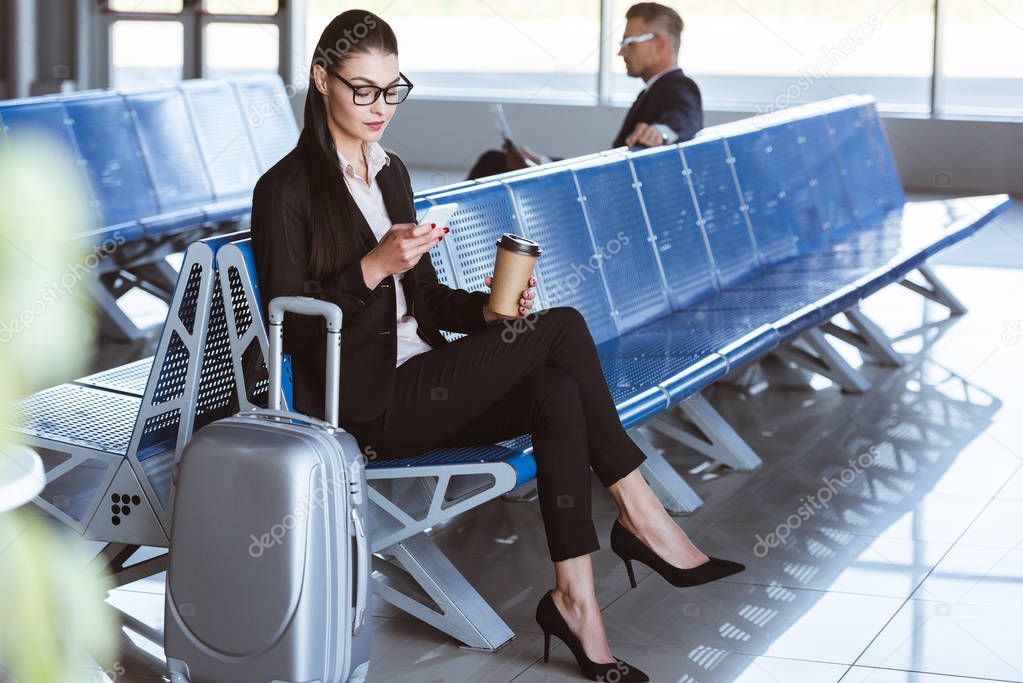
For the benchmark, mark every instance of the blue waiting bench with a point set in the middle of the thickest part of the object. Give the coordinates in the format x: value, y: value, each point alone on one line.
x: 164, y: 167
x: 689, y: 262
x: 701, y: 258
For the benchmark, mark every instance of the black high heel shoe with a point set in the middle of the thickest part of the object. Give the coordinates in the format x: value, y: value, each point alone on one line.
x: 550, y: 620
x: 627, y: 546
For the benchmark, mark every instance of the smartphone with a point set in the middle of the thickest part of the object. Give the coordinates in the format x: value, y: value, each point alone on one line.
x: 439, y: 214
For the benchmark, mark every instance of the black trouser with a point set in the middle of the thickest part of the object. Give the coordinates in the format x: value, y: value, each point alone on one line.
x: 538, y: 375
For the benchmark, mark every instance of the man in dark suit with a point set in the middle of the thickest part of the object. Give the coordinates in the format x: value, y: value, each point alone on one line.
x: 668, y: 109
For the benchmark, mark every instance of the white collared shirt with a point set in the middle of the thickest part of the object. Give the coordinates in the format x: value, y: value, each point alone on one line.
x: 370, y: 201
x: 653, y: 79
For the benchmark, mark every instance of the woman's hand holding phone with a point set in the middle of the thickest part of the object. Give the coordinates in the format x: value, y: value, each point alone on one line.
x: 399, y: 250
x: 404, y: 244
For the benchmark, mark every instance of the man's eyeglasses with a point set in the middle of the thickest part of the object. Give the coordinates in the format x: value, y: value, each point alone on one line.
x: 365, y: 95
x: 632, y: 40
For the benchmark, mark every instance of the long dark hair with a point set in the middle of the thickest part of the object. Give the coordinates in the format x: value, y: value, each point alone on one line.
x: 332, y: 209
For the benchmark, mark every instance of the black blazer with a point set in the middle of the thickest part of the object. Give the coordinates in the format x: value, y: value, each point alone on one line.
x: 280, y: 220
x: 674, y: 100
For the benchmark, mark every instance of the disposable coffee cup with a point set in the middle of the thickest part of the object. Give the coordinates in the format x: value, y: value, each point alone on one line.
x: 513, y: 266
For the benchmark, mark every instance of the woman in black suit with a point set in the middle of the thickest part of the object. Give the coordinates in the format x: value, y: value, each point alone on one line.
x: 334, y: 219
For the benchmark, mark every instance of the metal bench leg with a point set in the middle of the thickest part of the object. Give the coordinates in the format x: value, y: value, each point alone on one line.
x: 823, y: 359
x: 866, y: 336
x: 697, y: 425
x: 114, y: 557
x: 781, y: 375
x: 672, y: 490
x: 114, y: 322
x: 157, y: 278
x: 160, y: 273
x: 524, y: 493
x: 677, y: 497
x: 935, y: 290
x: 417, y: 577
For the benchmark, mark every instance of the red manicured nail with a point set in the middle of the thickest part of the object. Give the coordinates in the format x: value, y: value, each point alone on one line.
x: 447, y: 229
x: 433, y: 225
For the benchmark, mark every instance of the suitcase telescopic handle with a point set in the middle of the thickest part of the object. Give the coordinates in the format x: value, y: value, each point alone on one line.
x: 305, y: 305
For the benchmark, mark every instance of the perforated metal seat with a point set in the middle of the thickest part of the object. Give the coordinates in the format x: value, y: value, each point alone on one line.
x: 119, y: 193
x: 689, y: 335
x: 637, y: 379
x: 172, y: 157
x: 224, y: 145
x: 266, y: 109
x: 568, y: 272
x: 516, y: 452
x: 81, y: 416
x: 617, y: 223
x: 127, y: 379
x: 728, y: 234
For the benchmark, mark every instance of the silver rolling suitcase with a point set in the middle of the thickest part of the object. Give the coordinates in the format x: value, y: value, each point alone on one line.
x: 268, y: 578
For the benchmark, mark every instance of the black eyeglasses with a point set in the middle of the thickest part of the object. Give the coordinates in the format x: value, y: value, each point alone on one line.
x: 365, y: 95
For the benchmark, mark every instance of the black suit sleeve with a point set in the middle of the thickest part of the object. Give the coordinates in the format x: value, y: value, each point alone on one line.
x: 280, y: 239
x: 455, y: 310
x: 681, y: 110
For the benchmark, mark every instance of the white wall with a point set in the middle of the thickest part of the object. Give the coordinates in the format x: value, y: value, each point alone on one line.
x: 958, y: 156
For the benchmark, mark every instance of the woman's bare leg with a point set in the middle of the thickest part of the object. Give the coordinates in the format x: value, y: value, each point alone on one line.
x: 641, y: 512
x: 576, y: 598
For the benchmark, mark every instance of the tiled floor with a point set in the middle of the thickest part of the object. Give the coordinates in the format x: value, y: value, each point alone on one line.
x: 912, y: 571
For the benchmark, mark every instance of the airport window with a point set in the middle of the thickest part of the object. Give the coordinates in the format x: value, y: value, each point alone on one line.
x: 981, y: 67
x: 238, y: 7
x: 234, y: 50
x: 774, y: 53
x: 158, y: 42
x: 529, y: 51
x: 146, y: 53
x: 254, y: 7
x: 745, y: 55
x: 146, y: 6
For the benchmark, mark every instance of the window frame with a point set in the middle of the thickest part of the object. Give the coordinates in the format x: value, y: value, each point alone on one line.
x: 291, y: 16
x: 194, y: 20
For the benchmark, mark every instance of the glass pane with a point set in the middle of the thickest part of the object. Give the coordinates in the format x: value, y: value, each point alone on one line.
x: 770, y: 54
x: 982, y: 66
x: 503, y: 48
x: 146, y: 54
x: 267, y: 7
x: 240, y: 49
x: 145, y: 5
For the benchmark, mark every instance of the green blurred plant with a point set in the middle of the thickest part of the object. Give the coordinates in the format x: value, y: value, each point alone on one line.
x: 53, y: 610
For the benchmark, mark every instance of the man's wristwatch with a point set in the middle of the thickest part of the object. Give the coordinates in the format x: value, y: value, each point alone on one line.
x: 668, y: 136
